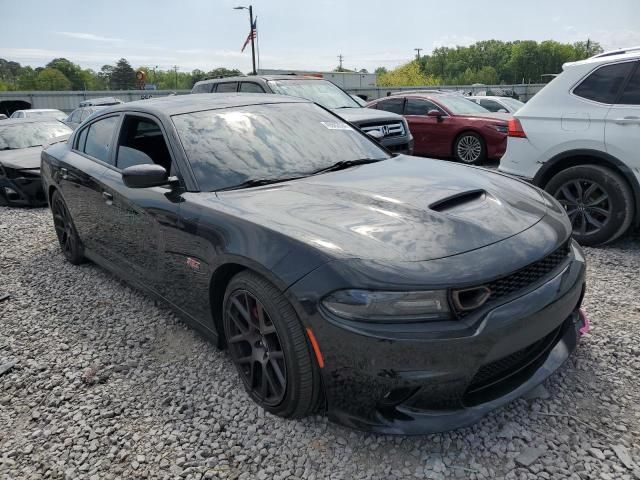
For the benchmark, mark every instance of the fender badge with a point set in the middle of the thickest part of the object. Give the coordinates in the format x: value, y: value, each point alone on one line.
x: 193, y: 263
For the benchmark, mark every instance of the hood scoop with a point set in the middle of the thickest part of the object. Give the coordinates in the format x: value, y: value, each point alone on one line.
x: 458, y: 200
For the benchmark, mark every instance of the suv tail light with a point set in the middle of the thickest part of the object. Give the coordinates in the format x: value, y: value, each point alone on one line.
x: 515, y: 129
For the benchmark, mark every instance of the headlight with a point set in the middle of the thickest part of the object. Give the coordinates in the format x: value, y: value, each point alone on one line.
x: 379, y: 306
x: 501, y: 128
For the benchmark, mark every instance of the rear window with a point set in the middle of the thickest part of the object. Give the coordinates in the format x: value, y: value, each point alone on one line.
x: 226, y: 87
x: 25, y: 135
x: 604, y: 84
x: 230, y: 146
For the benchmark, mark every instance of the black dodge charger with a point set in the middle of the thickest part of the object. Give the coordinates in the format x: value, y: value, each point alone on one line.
x: 398, y: 294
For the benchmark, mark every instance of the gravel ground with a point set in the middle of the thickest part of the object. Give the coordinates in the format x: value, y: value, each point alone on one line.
x: 109, y: 384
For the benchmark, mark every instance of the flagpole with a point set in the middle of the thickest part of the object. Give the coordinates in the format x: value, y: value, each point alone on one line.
x: 257, y: 44
x: 253, y: 48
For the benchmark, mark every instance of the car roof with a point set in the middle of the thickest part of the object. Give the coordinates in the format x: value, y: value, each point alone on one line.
x: 612, y: 56
x: 16, y: 121
x: 39, y: 110
x: 259, y: 77
x: 196, y: 102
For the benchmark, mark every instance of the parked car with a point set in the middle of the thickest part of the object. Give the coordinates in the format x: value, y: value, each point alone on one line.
x: 102, y: 101
x: 391, y: 129
x: 579, y: 138
x: 3, y: 116
x: 337, y: 275
x: 21, y: 142
x: 447, y: 125
x: 40, y: 113
x: 80, y: 114
x: 498, y: 104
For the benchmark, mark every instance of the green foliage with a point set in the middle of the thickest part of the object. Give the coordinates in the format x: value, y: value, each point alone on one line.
x: 409, y: 74
x: 123, y: 76
x: 52, y: 79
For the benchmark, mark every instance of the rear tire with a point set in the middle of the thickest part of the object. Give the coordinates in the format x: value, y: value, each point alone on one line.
x: 598, y: 200
x: 470, y: 148
x: 66, y: 231
x: 268, y: 346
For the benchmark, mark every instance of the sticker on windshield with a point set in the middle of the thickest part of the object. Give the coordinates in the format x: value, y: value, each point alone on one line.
x: 336, y: 126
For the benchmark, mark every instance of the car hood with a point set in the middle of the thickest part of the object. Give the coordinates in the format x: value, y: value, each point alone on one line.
x: 360, y: 116
x: 404, y: 209
x: 24, y: 158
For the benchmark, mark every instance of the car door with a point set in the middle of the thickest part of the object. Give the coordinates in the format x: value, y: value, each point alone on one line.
x: 622, y: 129
x: 80, y: 172
x: 139, y: 217
x: 429, y: 133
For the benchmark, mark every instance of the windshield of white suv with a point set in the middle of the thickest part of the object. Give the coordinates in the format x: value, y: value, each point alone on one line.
x: 459, y: 105
x: 322, y: 92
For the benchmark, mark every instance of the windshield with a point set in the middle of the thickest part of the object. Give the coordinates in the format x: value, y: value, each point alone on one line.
x: 512, y: 103
x: 459, y: 105
x: 25, y: 135
x: 47, y: 114
x: 230, y: 146
x: 322, y: 92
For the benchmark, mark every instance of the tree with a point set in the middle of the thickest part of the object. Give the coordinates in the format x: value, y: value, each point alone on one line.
x: 52, y: 79
x: 27, y: 79
x: 122, y: 77
x: 380, y: 70
x: 72, y: 71
x: 406, y: 75
x: 223, y: 72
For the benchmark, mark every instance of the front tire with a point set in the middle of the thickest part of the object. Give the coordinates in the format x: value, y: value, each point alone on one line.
x: 269, y: 348
x: 598, y: 200
x: 470, y: 148
x: 66, y: 231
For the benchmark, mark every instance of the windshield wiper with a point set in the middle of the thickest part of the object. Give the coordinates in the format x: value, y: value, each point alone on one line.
x: 341, y: 165
x: 255, y: 182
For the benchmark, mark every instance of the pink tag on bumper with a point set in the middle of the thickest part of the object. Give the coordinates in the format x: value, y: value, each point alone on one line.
x: 585, y: 322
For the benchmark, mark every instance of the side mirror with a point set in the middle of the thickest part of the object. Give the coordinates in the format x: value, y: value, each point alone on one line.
x: 145, y: 176
x: 434, y: 113
x: 377, y: 135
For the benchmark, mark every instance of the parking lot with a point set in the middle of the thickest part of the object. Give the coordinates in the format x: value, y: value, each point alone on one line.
x: 99, y: 381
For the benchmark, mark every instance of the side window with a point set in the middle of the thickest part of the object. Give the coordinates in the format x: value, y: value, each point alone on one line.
x: 85, y: 114
x: 75, y: 116
x: 203, y: 88
x: 491, y: 105
x: 227, y: 87
x: 419, y: 107
x: 99, y: 138
x: 604, y: 84
x: 82, y: 139
x: 631, y: 93
x: 142, y: 142
x: 250, y: 87
x: 393, y: 105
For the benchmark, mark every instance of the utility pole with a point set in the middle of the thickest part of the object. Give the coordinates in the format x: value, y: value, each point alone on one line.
x: 340, y: 58
x: 175, y: 69
x: 253, y: 46
x: 418, y: 54
x: 588, y: 47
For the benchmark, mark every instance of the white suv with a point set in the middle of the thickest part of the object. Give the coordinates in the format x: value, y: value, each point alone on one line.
x: 579, y: 139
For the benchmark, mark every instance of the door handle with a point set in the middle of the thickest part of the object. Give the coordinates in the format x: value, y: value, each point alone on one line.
x: 108, y: 198
x: 627, y: 120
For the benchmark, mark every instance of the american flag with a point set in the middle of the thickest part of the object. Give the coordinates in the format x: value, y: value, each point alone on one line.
x: 252, y: 34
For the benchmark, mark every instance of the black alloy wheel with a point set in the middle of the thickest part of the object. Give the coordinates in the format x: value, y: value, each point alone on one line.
x: 269, y: 347
x: 256, y: 348
x: 598, y: 201
x: 65, y: 230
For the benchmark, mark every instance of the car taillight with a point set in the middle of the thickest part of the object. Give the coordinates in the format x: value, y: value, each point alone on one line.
x: 515, y: 129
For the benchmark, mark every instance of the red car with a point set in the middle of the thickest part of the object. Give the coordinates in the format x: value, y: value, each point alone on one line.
x: 449, y: 125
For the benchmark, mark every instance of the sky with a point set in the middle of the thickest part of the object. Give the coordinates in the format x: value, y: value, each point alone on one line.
x: 293, y: 34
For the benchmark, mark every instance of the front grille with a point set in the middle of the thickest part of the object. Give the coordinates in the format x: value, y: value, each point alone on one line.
x: 505, y: 286
x: 388, y: 129
x: 508, y: 367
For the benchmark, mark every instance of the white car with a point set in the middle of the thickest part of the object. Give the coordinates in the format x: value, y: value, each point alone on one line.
x: 41, y: 113
x: 579, y: 139
x: 497, y: 104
